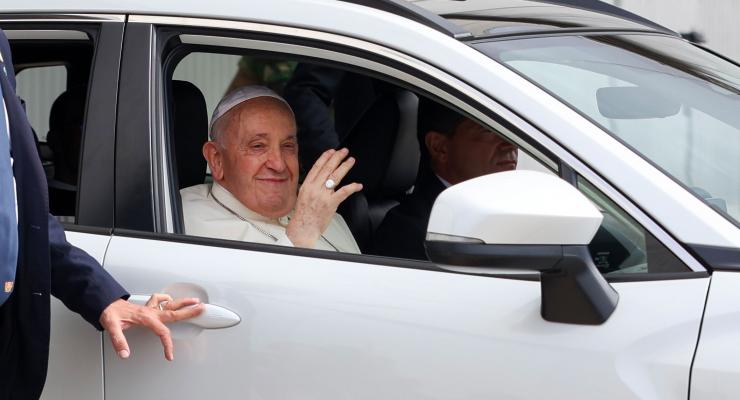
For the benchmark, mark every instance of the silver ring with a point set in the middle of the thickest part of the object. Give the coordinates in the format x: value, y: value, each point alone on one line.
x: 329, y: 184
x: 161, y: 305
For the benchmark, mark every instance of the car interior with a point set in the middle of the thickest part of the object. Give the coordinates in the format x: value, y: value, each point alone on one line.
x: 57, y: 122
x: 382, y: 137
x: 377, y: 121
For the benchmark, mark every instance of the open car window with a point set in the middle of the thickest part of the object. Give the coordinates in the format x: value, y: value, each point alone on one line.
x: 334, y: 106
x: 378, y: 120
x: 52, y: 79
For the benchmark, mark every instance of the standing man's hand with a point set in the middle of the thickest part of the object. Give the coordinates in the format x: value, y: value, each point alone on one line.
x: 161, y: 308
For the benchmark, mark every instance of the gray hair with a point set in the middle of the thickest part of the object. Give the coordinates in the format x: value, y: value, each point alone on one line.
x: 218, y: 128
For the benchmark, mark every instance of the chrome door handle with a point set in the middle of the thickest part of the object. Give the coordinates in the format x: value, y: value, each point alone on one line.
x: 213, y: 317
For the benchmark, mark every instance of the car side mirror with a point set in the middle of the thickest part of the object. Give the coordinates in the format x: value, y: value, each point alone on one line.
x: 525, y: 221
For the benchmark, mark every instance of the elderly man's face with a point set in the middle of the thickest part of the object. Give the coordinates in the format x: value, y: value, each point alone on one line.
x: 259, y: 157
x: 472, y: 151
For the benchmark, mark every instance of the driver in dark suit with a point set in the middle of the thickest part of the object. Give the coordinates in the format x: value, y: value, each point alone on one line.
x: 454, y: 149
x: 48, y: 265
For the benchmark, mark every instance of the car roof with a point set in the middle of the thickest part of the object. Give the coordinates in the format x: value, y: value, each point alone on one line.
x: 488, y: 18
x: 471, y: 19
x: 462, y: 19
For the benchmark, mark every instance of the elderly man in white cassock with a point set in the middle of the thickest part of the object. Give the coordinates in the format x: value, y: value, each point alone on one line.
x: 253, y: 157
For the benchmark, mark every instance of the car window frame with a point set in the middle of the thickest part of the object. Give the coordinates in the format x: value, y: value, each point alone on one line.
x: 468, y: 99
x: 95, y: 187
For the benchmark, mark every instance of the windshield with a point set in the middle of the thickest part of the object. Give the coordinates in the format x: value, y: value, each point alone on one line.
x: 673, y: 103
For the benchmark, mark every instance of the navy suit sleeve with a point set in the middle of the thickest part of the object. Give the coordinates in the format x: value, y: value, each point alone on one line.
x: 78, y: 280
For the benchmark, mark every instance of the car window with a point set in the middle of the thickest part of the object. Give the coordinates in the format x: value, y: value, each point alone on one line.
x: 334, y: 106
x: 39, y: 87
x: 367, y: 113
x: 621, y: 245
x: 52, y: 80
x: 649, y: 91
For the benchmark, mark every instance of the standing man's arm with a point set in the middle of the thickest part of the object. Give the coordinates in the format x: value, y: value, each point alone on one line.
x: 78, y: 280
x: 86, y: 288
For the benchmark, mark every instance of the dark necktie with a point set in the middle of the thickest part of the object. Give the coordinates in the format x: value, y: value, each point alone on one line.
x: 8, y: 221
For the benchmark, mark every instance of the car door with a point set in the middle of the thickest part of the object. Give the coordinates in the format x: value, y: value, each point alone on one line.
x: 296, y: 323
x: 54, y: 55
x: 715, y: 367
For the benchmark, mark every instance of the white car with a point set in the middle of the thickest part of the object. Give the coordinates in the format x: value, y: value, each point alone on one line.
x: 631, y: 131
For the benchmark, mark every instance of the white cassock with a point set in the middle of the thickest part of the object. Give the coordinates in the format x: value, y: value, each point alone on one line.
x: 231, y: 220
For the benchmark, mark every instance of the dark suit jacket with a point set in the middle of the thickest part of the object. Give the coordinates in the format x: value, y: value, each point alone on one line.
x: 312, y: 91
x: 47, y: 264
x: 403, y: 230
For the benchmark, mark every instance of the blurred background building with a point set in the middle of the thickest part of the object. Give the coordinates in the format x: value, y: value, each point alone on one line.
x: 711, y: 21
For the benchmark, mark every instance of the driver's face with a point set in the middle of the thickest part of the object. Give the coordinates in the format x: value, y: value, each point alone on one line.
x: 473, y: 151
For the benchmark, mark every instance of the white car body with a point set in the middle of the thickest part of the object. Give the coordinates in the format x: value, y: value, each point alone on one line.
x: 306, y: 325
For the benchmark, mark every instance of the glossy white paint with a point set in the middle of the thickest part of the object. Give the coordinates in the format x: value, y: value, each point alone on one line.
x: 516, y: 207
x: 324, y: 329
x: 75, y: 352
x: 658, y: 195
x: 717, y: 366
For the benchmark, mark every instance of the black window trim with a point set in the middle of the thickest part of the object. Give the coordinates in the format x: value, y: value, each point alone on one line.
x: 93, y: 230
x: 134, y: 178
x: 97, y: 209
x: 369, y: 259
x: 94, y: 206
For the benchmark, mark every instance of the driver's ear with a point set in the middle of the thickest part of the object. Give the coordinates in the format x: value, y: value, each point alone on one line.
x: 436, y: 145
x: 214, y: 157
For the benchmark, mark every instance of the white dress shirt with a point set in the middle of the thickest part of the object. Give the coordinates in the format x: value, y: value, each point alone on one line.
x: 231, y: 220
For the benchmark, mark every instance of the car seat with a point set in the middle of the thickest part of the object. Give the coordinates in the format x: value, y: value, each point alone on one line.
x: 190, y: 132
x: 384, y: 143
x: 64, y: 140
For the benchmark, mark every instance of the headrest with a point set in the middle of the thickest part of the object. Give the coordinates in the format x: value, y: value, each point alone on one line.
x: 190, y: 128
x: 64, y: 138
x: 68, y: 109
x: 384, y: 143
x: 404, y: 161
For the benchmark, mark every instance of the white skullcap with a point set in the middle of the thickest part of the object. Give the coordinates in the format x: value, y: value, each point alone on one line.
x: 238, y: 96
